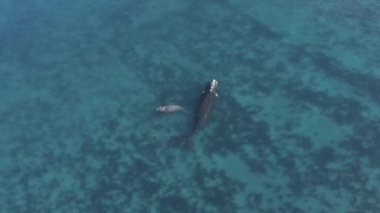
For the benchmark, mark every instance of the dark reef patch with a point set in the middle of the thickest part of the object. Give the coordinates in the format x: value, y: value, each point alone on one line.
x: 364, y: 142
x: 233, y: 127
x: 172, y: 204
x: 324, y: 156
x: 216, y: 188
x: 341, y: 109
x: 331, y: 67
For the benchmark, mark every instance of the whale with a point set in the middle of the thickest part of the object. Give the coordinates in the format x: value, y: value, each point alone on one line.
x: 205, y: 106
x: 170, y: 108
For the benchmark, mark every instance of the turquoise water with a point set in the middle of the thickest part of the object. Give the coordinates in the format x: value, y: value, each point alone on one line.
x: 296, y: 126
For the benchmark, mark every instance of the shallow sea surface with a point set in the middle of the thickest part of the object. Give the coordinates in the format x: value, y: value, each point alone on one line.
x: 296, y: 125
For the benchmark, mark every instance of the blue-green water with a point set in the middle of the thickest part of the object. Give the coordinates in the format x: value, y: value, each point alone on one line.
x: 296, y: 127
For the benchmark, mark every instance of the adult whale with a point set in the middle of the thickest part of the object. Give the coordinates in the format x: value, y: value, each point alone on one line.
x: 204, y: 109
x: 206, y: 105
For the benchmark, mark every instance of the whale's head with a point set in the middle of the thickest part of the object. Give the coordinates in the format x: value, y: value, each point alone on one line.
x: 161, y: 109
x: 213, y: 86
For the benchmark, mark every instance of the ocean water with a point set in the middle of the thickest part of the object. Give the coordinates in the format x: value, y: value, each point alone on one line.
x: 296, y: 125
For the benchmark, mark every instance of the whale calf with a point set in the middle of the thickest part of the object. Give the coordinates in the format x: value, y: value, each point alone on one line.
x: 170, y: 108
